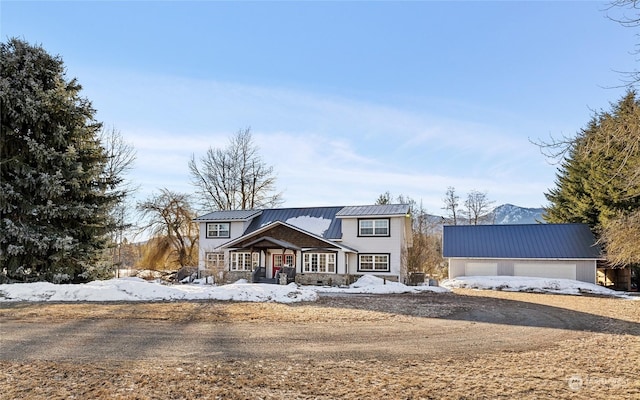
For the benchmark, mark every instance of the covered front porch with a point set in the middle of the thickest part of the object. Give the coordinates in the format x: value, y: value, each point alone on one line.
x: 273, y: 256
x: 263, y: 256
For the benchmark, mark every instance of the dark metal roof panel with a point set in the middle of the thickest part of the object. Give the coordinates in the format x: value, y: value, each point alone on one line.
x: 555, y: 241
x: 309, y: 219
x: 373, y: 210
x: 232, y: 215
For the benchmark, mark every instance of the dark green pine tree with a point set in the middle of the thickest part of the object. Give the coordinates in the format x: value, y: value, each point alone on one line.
x: 54, y: 197
x: 599, y: 179
x: 615, y: 159
x: 570, y: 201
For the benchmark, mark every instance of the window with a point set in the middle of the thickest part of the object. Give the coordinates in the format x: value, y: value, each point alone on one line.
x: 373, y: 227
x: 284, y: 260
x: 214, y: 260
x: 243, y: 261
x: 374, y: 262
x: 218, y: 230
x: 319, y: 262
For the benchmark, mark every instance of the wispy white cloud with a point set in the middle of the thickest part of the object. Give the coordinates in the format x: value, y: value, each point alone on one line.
x: 325, y: 150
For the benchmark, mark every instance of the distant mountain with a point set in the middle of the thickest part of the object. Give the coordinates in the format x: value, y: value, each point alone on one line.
x: 510, y: 214
x: 506, y: 214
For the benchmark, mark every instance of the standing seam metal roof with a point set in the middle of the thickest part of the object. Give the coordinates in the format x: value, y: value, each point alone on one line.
x: 373, y: 210
x: 231, y: 215
x: 334, y: 231
x: 554, y: 241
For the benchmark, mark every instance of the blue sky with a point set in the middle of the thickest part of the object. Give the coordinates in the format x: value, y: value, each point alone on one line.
x: 346, y: 100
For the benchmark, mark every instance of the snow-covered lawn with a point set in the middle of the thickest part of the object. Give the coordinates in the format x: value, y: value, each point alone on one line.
x: 374, y: 285
x: 526, y: 284
x: 136, y: 289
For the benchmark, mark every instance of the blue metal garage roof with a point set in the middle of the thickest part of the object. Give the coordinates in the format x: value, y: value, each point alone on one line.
x: 537, y: 241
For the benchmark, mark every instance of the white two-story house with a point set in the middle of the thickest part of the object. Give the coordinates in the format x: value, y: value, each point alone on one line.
x: 323, y: 245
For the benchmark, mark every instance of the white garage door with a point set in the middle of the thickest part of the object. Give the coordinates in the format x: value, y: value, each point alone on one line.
x: 561, y: 271
x: 481, y: 269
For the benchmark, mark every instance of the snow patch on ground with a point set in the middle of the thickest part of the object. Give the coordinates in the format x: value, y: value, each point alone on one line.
x: 535, y: 285
x: 374, y: 285
x: 136, y: 289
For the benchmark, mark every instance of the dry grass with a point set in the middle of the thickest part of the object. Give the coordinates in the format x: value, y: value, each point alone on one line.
x: 535, y: 374
x: 610, y: 307
x: 598, y: 365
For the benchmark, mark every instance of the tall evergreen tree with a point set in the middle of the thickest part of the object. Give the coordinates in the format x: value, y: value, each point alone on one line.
x: 599, y: 180
x: 54, y: 197
x: 600, y: 176
x: 569, y: 200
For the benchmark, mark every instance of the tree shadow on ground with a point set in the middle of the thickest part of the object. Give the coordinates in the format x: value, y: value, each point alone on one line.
x: 489, y: 310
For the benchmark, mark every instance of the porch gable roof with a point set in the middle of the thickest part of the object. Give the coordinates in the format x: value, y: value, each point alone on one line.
x: 256, y: 233
x: 279, y: 243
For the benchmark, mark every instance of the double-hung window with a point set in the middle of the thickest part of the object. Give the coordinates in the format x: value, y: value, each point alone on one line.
x: 243, y: 261
x: 373, y: 262
x: 218, y: 230
x: 373, y: 227
x: 319, y: 262
x: 214, y: 260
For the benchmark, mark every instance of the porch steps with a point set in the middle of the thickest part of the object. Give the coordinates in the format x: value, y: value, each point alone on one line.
x: 266, y: 280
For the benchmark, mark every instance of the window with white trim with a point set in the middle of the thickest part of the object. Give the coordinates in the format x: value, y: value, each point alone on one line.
x: 214, y: 260
x: 243, y: 261
x: 374, y: 262
x: 373, y: 227
x: 319, y: 262
x: 218, y: 230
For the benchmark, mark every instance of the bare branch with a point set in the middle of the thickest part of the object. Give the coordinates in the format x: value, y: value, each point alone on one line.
x: 235, y: 177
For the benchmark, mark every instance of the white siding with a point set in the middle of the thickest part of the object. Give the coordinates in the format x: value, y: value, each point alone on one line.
x: 545, y: 270
x: 481, y: 269
x: 581, y: 270
x: 392, y: 244
x: 236, y: 229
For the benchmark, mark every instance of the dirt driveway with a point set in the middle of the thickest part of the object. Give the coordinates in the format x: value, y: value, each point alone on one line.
x: 465, y: 345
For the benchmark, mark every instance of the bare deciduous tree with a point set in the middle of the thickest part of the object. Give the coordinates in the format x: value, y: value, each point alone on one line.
x: 120, y: 158
x: 234, y: 178
x: 170, y: 220
x: 425, y: 252
x: 451, y: 204
x: 478, y: 207
x: 627, y: 14
x: 384, y: 198
x: 621, y: 237
x: 629, y: 19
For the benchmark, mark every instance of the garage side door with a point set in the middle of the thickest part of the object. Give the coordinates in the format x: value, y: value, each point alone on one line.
x: 559, y: 271
x: 481, y: 269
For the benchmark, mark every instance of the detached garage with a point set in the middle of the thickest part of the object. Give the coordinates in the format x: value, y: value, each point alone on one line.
x: 567, y: 251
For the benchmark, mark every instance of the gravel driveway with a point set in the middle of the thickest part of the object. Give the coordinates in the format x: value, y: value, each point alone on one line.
x: 349, y: 335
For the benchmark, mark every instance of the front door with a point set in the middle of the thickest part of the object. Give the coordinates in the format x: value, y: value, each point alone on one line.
x: 280, y: 260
